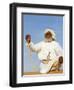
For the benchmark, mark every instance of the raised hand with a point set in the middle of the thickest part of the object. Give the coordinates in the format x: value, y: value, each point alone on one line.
x: 28, y: 38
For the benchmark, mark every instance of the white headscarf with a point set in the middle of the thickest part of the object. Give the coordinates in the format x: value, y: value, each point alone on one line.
x: 51, y: 31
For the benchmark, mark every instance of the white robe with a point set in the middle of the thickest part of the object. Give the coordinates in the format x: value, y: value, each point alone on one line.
x: 44, y: 49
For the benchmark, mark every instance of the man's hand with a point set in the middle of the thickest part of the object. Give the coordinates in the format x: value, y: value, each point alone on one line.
x: 60, y: 59
x: 28, y: 38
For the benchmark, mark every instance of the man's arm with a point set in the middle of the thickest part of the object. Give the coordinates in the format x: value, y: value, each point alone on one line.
x: 34, y: 47
x: 58, y: 50
x: 59, y: 53
x: 31, y: 46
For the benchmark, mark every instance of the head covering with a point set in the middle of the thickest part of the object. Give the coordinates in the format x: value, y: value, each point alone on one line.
x: 51, y: 31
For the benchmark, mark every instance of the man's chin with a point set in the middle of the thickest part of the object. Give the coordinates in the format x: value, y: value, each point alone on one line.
x: 48, y: 40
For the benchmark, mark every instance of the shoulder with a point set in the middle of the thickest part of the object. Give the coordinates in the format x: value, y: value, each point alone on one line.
x: 55, y: 43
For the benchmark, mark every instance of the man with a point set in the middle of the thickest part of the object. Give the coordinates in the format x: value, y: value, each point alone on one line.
x: 48, y: 50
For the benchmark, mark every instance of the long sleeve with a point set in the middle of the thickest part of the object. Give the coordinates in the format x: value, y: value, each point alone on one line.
x: 58, y: 50
x: 34, y: 47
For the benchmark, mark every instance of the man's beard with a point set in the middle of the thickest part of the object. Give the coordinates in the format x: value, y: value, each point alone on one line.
x: 48, y: 40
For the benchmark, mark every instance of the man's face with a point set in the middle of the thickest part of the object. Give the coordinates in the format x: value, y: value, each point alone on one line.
x: 48, y: 35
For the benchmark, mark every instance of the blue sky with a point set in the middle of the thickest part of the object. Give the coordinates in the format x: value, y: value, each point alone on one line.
x: 35, y: 26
